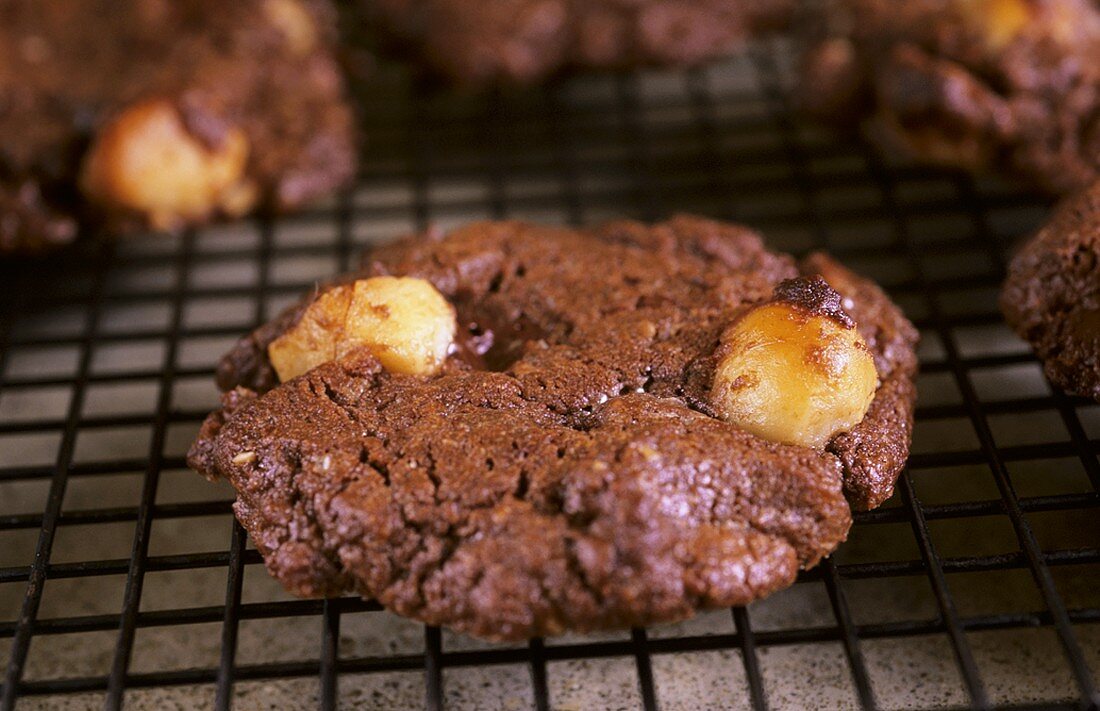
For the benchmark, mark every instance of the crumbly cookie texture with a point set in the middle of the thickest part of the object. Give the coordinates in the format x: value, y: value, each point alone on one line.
x: 472, y: 41
x: 1009, y: 85
x: 566, y: 468
x: 1052, y: 294
x: 148, y: 113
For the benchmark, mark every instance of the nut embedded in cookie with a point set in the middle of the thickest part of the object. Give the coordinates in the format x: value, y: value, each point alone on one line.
x: 1000, y: 21
x: 165, y: 114
x: 145, y: 161
x: 295, y: 22
x: 587, y: 484
x: 795, y: 370
x: 403, y: 321
x: 974, y: 84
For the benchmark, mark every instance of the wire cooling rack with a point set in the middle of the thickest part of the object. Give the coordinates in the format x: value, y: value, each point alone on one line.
x: 123, y: 577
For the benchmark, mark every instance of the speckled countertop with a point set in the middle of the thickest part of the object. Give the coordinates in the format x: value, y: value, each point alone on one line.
x: 913, y: 669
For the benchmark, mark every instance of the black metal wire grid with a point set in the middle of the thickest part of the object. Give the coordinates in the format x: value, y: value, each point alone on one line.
x: 123, y: 576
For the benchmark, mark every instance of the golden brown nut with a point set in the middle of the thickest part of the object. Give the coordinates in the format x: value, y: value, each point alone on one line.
x: 295, y: 22
x: 145, y: 161
x: 404, y: 322
x: 795, y: 370
x: 999, y: 21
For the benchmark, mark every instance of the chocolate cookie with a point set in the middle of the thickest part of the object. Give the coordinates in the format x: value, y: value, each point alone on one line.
x: 153, y: 113
x: 977, y: 84
x: 1052, y: 294
x: 516, y: 430
x: 473, y: 41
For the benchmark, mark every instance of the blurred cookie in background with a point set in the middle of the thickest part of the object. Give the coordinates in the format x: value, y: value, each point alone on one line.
x: 978, y: 84
x: 474, y: 41
x: 1052, y: 294
x: 139, y: 114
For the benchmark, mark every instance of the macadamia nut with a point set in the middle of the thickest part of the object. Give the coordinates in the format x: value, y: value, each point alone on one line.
x: 295, y: 22
x: 792, y: 374
x: 404, y: 322
x: 145, y: 160
x: 1001, y: 21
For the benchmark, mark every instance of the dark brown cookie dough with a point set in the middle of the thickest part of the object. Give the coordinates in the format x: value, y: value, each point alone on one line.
x: 1052, y: 294
x: 565, y: 469
x: 139, y: 113
x: 978, y: 84
x: 473, y: 41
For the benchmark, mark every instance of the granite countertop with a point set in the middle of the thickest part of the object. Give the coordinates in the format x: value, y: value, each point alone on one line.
x: 906, y: 670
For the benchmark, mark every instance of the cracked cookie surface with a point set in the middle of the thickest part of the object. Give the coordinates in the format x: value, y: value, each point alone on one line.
x: 565, y: 469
